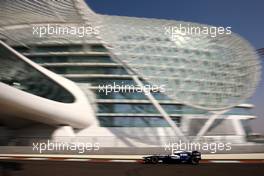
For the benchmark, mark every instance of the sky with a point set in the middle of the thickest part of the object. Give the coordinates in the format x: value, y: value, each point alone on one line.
x: 245, y: 17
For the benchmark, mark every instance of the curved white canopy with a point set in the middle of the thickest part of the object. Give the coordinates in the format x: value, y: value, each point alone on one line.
x: 198, y: 70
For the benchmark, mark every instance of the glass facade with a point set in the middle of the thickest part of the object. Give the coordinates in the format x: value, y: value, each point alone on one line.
x: 219, y: 127
x: 49, y: 58
x: 126, y: 121
x: 21, y: 75
x: 92, y: 67
x: 87, y: 70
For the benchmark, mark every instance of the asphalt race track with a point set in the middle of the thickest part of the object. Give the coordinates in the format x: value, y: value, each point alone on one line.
x: 76, y: 168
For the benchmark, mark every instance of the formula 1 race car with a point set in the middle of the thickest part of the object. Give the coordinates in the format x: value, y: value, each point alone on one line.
x: 192, y: 157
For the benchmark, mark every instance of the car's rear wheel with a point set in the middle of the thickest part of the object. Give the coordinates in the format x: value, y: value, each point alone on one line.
x: 194, y: 161
x: 154, y: 160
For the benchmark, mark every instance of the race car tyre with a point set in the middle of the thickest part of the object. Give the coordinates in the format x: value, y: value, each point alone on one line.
x: 194, y: 161
x: 154, y: 160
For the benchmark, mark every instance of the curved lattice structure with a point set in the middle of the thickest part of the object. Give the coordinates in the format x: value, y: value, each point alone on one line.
x: 19, y: 28
x: 28, y: 12
x: 211, y: 73
x: 199, y: 70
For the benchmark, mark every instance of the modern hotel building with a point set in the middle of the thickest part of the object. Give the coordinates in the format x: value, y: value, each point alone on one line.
x: 55, y: 85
